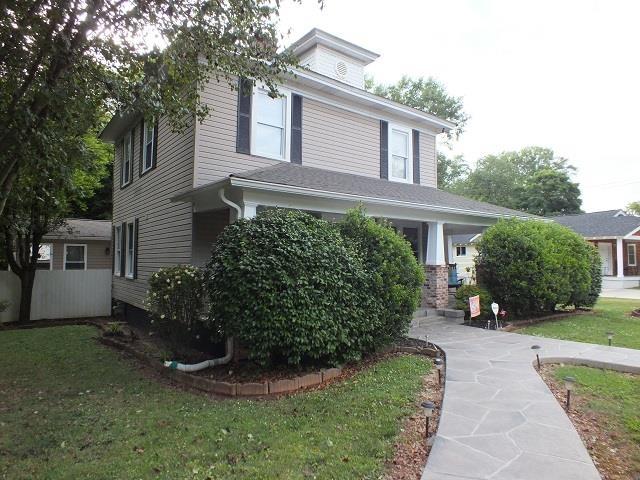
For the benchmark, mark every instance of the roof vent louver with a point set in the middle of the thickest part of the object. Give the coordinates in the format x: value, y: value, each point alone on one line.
x: 341, y: 69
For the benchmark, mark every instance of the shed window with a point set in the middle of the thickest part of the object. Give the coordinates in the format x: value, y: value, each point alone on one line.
x: 400, y: 167
x: 461, y: 251
x: 632, y: 255
x: 44, y: 256
x: 270, y: 128
x: 130, y: 233
x: 75, y: 257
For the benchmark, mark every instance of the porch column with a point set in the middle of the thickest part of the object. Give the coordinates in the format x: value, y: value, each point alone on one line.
x: 619, y: 258
x: 435, y: 293
x: 450, y: 255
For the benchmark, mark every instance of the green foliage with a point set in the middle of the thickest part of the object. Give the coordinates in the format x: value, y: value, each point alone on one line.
x: 588, y: 298
x: 634, y: 208
x: 289, y: 287
x: 396, y: 276
x: 462, y: 301
x: 451, y: 171
x: 176, y: 301
x: 426, y: 94
x: 531, y: 266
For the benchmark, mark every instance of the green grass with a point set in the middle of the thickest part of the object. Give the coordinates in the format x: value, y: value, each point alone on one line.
x: 71, y: 408
x: 610, y: 314
x: 615, y: 397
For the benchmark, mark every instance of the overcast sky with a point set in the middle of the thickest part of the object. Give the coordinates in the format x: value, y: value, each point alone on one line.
x: 559, y: 74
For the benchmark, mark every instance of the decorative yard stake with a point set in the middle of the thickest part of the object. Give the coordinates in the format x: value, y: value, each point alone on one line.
x: 610, y: 337
x: 495, y: 308
x: 536, y: 348
x: 428, y: 408
x: 439, y: 363
x: 569, y: 383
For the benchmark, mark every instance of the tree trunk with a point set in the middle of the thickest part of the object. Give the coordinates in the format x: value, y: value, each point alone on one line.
x: 27, y: 280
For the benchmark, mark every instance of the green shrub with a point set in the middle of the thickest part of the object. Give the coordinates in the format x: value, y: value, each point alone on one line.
x: 590, y: 297
x: 462, y: 301
x: 175, y: 301
x: 530, y: 267
x: 396, y: 275
x: 290, y: 288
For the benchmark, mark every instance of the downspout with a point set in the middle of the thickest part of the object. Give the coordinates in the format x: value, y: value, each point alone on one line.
x: 229, y: 202
x: 194, y: 367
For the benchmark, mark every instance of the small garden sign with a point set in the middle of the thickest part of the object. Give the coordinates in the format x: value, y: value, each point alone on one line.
x: 474, y: 306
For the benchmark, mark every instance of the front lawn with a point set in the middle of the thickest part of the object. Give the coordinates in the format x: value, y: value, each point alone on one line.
x: 609, y: 314
x: 72, y: 408
x: 606, y: 411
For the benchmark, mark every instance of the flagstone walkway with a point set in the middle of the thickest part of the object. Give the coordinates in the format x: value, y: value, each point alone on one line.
x: 499, y: 420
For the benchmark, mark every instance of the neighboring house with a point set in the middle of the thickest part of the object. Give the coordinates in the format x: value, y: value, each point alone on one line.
x: 463, y: 253
x: 78, y: 245
x: 617, y: 237
x: 325, y: 146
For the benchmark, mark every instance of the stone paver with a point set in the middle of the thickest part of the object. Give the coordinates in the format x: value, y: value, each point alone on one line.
x: 499, y: 420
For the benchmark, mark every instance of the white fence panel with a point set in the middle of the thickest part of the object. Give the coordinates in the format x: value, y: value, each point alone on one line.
x: 61, y: 294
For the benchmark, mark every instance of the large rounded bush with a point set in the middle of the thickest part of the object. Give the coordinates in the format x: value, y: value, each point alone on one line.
x: 531, y: 266
x: 396, y: 275
x: 289, y: 288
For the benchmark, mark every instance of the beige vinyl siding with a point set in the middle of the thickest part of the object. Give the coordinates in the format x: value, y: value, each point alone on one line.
x: 164, y: 236
x: 334, y: 138
x: 466, y: 261
x: 97, y: 257
x: 206, y: 228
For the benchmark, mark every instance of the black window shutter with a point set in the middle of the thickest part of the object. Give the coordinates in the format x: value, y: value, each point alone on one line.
x: 384, y: 149
x: 416, y: 156
x: 141, y: 147
x: 154, y: 160
x: 123, y: 248
x: 296, y: 129
x: 243, y: 133
x: 135, y: 248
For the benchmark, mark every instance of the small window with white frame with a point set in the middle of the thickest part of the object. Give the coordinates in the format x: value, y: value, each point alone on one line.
x: 130, y: 253
x: 270, y: 127
x: 75, y: 257
x: 148, y: 145
x: 400, y: 164
x: 461, y: 251
x: 117, y: 250
x: 632, y: 255
x: 126, y: 170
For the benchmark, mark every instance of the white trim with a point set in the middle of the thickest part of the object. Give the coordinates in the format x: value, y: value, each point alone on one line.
x: 635, y: 255
x: 458, y: 247
x: 632, y: 235
x: 619, y: 258
x: 320, y: 37
x: 145, y: 169
x: 64, y: 256
x: 129, y: 241
x: 117, y: 247
x: 276, y: 187
x: 409, y: 166
x: 285, y: 94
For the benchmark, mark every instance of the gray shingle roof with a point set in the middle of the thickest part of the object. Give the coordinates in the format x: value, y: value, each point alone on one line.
x: 289, y: 174
x: 82, y: 229
x: 600, y: 224
x: 463, y: 238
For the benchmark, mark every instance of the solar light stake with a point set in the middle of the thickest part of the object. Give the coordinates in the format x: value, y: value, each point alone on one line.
x: 428, y: 408
x: 610, y: 337
x: 569, y: 383
x: 536, y: 348
x: 495, y: 308
x: 439, y: 364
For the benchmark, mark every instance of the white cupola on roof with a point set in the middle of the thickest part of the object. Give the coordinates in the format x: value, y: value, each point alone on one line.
x: 329, y: 55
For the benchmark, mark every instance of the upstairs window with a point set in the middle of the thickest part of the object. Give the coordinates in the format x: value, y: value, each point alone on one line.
x: 632, y: 255
x: 117, y: 250
x: 461, y: 251
x: 75, y: 257
x: 149, y: 132
x: 270, y: 128
x: 400, y: 165
x: 126, y: 170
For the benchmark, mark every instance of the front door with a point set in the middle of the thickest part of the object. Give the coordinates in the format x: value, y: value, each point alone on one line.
x: 606, y: 253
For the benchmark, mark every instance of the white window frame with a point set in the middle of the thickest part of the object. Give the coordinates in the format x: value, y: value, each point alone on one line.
x: 129, y: 245
x: 127, y: 141
x: 459, y: 249
x: 64, y: 258
x: 407, y: 131
x: 117, y: 250
x: 286, y: 95
x: 145, y: 142
x: 635, y: 254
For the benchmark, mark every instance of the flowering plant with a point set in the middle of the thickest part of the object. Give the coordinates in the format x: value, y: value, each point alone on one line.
x: 175, y: 297
x: 502, y: 314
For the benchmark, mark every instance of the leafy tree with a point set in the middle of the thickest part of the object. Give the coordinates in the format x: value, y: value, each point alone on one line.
x: 451, y: 171
x: 426, y: 94
x: 634, y: 208
x: 60, y: 62
x: 532, y: 179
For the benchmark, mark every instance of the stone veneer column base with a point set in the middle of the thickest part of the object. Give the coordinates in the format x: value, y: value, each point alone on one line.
x: 435, y: 292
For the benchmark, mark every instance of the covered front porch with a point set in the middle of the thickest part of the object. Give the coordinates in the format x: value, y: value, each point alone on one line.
x: 620, y: 261
x: 426, y: 216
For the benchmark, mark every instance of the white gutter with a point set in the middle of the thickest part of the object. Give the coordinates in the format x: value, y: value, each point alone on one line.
x: 230, y: 203
x: 276, y: 187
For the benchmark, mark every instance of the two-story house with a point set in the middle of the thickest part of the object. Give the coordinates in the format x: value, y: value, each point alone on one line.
x: 324, y: 146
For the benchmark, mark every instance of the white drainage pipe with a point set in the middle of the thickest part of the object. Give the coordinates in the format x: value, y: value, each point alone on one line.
x: 194, y: 367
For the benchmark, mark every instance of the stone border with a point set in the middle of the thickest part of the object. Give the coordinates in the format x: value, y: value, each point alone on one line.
x: 588, y: 362
x: 248, y: 389
x: 518, y: 324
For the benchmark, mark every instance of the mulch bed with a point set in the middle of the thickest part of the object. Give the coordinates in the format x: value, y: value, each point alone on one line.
x: 610, y: 457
